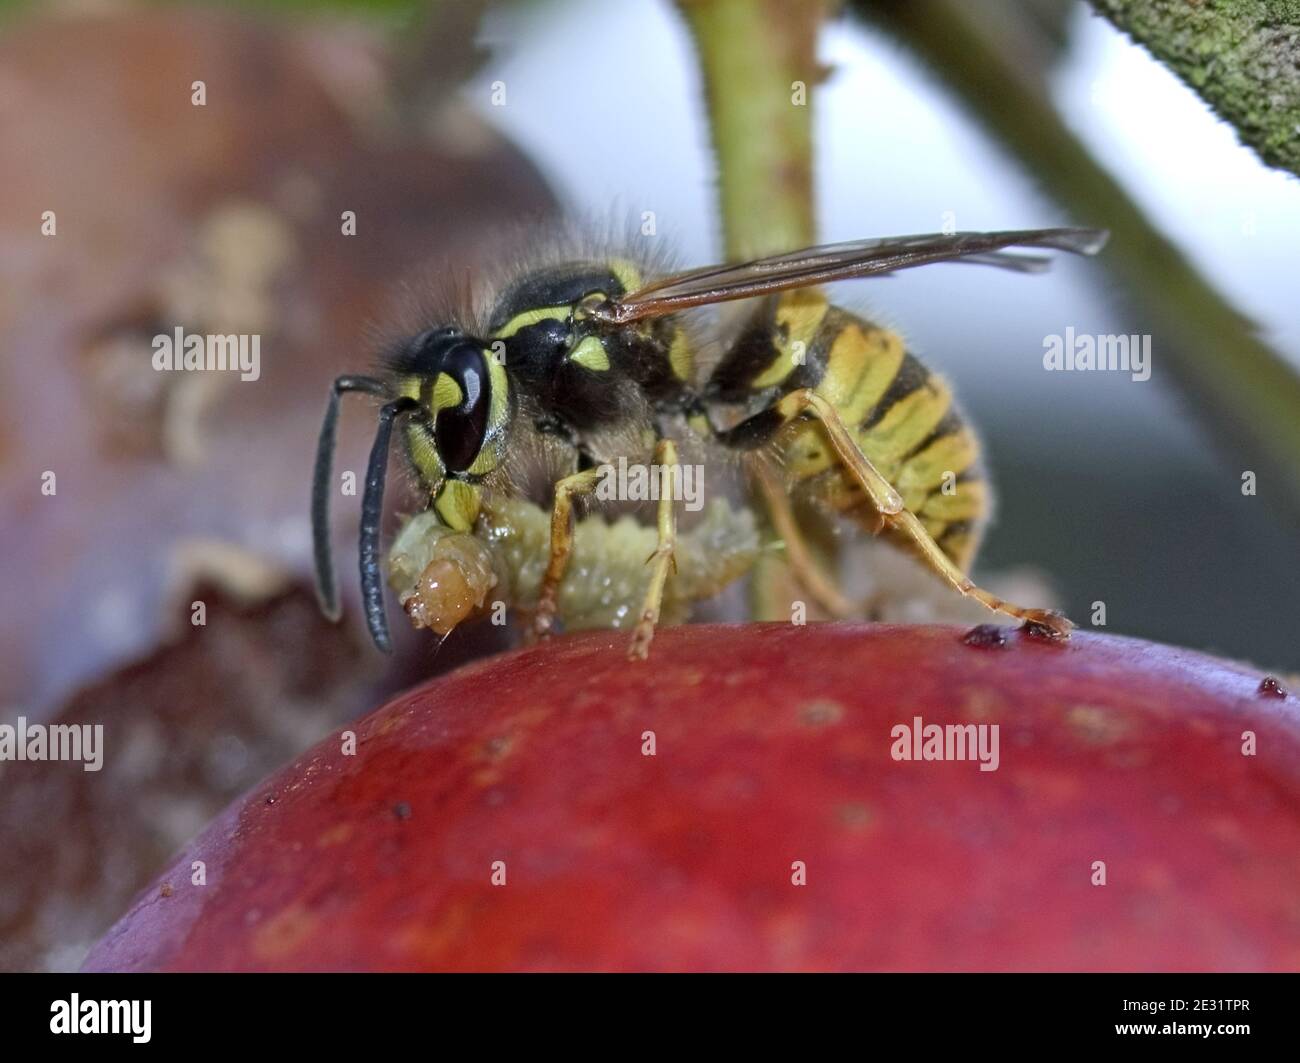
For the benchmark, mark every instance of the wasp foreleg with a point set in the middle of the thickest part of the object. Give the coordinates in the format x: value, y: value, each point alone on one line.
x: 579, y: 483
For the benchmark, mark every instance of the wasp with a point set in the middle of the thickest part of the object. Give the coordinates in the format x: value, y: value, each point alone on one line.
x: 592, y: 359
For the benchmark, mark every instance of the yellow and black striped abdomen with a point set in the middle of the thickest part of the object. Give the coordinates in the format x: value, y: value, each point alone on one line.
x: 900, y: 413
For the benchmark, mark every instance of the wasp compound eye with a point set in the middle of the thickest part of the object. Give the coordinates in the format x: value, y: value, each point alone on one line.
x: 425, y: 352
x: 462, y: 402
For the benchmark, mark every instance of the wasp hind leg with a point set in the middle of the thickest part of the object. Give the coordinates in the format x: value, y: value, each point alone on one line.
x: 663, y: 559
x: 765, y: 424
x: 810, y: 574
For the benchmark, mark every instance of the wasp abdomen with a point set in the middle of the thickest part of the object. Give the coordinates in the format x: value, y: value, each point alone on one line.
x: 900, y: 414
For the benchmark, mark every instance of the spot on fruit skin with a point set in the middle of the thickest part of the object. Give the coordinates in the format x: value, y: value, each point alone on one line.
x: 335, y: 835
x: 498, y: 747
x: 986, y: 637
x: 1096, y: 726
x: 282, y: 934
x: 855, y: 816
x: 821, y: 713
x: 981, y: 704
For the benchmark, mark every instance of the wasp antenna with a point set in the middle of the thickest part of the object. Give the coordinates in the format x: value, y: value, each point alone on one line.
x: 372, y: 513
x: 326, y: 588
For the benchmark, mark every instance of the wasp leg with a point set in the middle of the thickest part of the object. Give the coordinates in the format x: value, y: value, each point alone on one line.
x: 1056, y: 625
x: 579, y: 483
x: 807, y: 571
x: 887, y: 502
x: 756, y: 430
x: 662, y: 559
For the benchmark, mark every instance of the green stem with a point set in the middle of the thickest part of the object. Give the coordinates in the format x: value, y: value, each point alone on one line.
x: 759, y: 62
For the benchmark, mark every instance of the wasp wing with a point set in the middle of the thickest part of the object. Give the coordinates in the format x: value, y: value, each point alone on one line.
x: 845, y: 261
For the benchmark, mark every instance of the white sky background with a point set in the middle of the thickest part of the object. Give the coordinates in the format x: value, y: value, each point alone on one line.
x: 605, y: 99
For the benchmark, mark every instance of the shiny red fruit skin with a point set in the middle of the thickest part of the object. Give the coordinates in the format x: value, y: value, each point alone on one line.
x: 772, y: 745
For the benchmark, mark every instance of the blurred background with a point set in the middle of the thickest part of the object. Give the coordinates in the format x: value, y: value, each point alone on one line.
x: 225, y: 217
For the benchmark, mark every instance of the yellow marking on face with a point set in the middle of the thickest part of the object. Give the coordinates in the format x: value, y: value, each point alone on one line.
x: 591, y: 354
x: 532, y: 317
x: 485, y: 461
x: 499, y: 384
x: 424, y: 455
x: 494, y: 439
x: 446, y: 393
x: 457, y: 504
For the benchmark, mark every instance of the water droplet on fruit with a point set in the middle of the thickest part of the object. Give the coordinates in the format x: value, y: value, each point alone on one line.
x: 1270, y: 686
